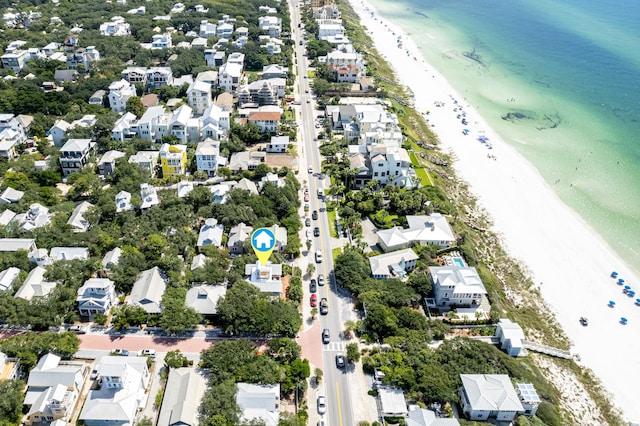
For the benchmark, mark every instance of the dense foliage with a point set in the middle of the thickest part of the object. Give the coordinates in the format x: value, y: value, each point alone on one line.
x: 11, y: 402
x: 29, y: 347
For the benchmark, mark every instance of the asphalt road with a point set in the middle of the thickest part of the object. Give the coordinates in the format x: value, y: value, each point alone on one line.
x: 336, y: 381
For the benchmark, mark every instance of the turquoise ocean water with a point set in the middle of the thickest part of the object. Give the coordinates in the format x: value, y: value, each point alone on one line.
x: 560, y: 81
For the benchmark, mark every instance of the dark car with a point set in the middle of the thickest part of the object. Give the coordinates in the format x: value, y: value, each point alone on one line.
x: 316, y: 232
x: 341, y: 360
x: 314, y: 215
x: 307, y: 222
x: 324, y: 306
x: 320, y: 279
x: 326, y: 337
x: 313, y: 287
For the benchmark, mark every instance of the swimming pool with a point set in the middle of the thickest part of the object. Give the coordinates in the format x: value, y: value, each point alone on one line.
x: 458, y: 261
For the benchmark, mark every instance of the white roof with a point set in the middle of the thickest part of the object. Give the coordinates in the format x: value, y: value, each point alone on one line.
x: 77, y: 221
x: 35, y: 285
x: 198, y: 261
x: 6, y: 217
x: 392, y: 401
x: 208, y: 148
x: 490, y: 392
x: 232, y: 69
x: 423, y: 417
x: 259, y: 402
x: 148, y: 289
x: 74, y: 145
x: 204, y: 298
x: 10, y: 195
x: 433, y: 227
x: 69, y: 253
x: 7, y: 277
x: 183, y: 393
x: 510, y: 330
x: 200, y: 86
x: 381, y: 264
x: 462, y: 279
x: 210, y: 233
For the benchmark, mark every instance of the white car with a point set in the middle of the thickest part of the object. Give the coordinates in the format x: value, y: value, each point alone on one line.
x: 322, y: 404
x: 318, y: 256
x: 147, y: 352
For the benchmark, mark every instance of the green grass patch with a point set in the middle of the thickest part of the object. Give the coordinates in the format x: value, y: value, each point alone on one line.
x: 288, y: 115
x: 332, y: 224
x: 414, y: 159
x: 336, y: 252
x: 421, y: 172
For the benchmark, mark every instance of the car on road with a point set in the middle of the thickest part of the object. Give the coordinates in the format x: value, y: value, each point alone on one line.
x: 324, y: 306
x: 318, y: 256
x: 341, y: 360
x: 322, y: 404
x: 314, y: 215
x: 316, y: 232
x: 306, y: 196
x: 310, y: 170
x: 120, y: 352
x: 313, y: 286
x: 306, y: 207
x: 307, y: 222
x: 314, y: 300
x: 326, y: 336
x: 584, y: 321
x: 94, y: 374
x: 308, y: 101
x: 78, y: 329
x: 151, y: 353
x: 306, y: 91
x: 321, y: 279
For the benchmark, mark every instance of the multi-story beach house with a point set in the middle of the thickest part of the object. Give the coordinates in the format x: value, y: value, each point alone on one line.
x: 199, y: 96
x: 119, y: 93
x: 215, y: 123
x: 457, y: 286
x: 116, y: 27
x: 207, y: 154
x: 161, y: 41
x: 74, y: 155
x: 229, y: 76
x: 96, y: 296
x: 173, y: 159
x: 271, y: 25
x: 267, y: 121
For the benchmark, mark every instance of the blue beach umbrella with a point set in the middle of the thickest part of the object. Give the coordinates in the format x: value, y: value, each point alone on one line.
x: 614, y: 274
x: 623, y: 320
x: 612, y: 303
x: 631, y: 293
x: 620, y: 280
x: 638, y: 302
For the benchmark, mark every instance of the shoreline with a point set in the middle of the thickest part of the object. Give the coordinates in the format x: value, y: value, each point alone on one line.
x: 563, y: 253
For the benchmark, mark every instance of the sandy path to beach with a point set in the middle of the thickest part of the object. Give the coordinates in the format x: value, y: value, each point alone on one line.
x: 563, y: 253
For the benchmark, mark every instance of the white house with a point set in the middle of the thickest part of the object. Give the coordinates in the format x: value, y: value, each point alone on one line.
x: 115, y: 27
x: 432, y: 230
x: 455, y: 286
x: 107, y: 163
x: 274, y: 71
x: 237, y: 236
x: 204, y: 298
x: 278, y: 144
x: 199, y: 96
x: 210, y: 233
x: 123, y: 382
x: 149, y: 196
x: 148, y: 160
x: 161, y: 41
x: 124, y: 127
x: 229, y: 76
x: 111, y: 259
x: 69, y: 253
x: 225, y: 30
x: 147, y: 124
x: 123, y: 201
x: 511, y: 337
x: 422, y: 417
x: 393, y: 265
x: 485, y: 396
x: 96, y: 296
x: 7, y: 277
x: 119, y: 93
x: 207, y: 29
x: 215, y: 123
x: 207, y: 154
x: 148, y: 289
x: 329, y: 28
x: 182, y: 395
x: 267, y: 121
x: 270, y: 24
x: 74, y: 155
x: 265, y: 277
x: 35, y: 285
x: 10, y: 195
x: 392, y: 402
x: 59, y: 132
x: 259, y: 402
x: 77, y: 220
x: 36, y: 217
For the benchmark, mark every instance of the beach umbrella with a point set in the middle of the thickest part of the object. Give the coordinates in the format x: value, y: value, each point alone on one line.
x: 623, y: 320
x: 627, y: 287
x: 612, y: 303
x: 631, y: 293
x: 620, y: 280
x: 638, y: 302
x: 614, y: 274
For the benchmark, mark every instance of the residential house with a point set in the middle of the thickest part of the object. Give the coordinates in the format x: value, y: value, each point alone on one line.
x: 210, y: 233
x: 77, y: 221
x: 96, y: 296
x: 259, y: 402
x: 280, y: 233
x: 273, y: 179
x: 149, y: 196
x: 329, y: 28
x: 207, y: 157
x: 207, y: 29
x: 10, y: 195
x: 123, y: 382
x: 107, y: 164
x: 220, y: 191
x: 173, y: 159
x: 125, y: 127
x: 182, y: 395
x: 97, y: 98
x: 346, y: 73
x: 53, y: 389
x: 274, y: 71
x: 6, y: 217
x: 198, y: 261
x: 69, y: 253
x: 393, y: 265
x: 111, y: 259
x: 484, y: 396
x: 225, y: 30
x: 214, y: 58
x: 119, y: 94
x: 270, y: 24
x: 267, y: 121
x: 148, y: 160
x: 224, y: 101
x: 9, y: 367
x: 11, y: 245
x: 36, y: 217
x: 431, y: 230
x: 422, y: 417
x: 35, y: 285
x: 327, y: 12
x: 148, y: 289
x: 15, y: 60
x: 203, y: 298
x: 200, y: 8
x: 184, y: 188
x: 177, y: 8
x: 147, y: 124
x: 266, y: 277
x: 263, y: 92
x: 59, y: 132
x: 199, y: 42
x: 511, y: 337
x: 199, y: 96
x: 456, y: 286
x: 215, y: 123
x: 123, y: 201
x: 150, y: 100
x: 70, y: 42
x: 278, y: 144
x: 8, y: 147
x: 210, y: 77
x: 529, y: 398
x: 246, y: 160
x: 74, y: 155
x: 392, y: 402
x: 116, y: 27
x: 159, y: 76
x: 229, y: 76
x: 7, y: 278
x: 135, y: 75
x: 181, y: 125
x: 82, y: 58
x: 237, y: 237
x: 161, y: 41
x: 248, y: 186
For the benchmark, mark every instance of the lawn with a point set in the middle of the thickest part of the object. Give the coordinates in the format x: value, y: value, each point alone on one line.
x: 414, y: 159
x: 336, y: 252
x: 332, y: 224
x: 424, y: 176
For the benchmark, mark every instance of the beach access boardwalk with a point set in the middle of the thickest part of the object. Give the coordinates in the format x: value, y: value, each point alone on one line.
x: 544, y: 349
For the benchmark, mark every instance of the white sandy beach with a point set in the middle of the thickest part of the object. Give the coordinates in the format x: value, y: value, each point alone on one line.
x: 572, y: 262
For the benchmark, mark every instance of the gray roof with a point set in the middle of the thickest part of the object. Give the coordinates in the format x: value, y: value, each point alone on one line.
x: 183, y: 393
x: 204, y: 298
x: 75, y: 145
x: 69, y: 253
x: 77, y: 220
x: 392, y: 401
x: 259, y: 401
x: 148, y: 289
x: 49, y: 372
x: 380, y: 264
x: 10, y: 195
x: 15, y: 244
x: 490, y: 392
x: 35, y: 285
x: 65, y: 75
x: 424, y: 417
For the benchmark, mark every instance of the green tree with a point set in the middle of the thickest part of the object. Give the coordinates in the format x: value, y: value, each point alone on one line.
x: 353, y: 353
x: 175, y: 359
x: 135, y: 106
x: 11, y: 401
x: 176, y: 317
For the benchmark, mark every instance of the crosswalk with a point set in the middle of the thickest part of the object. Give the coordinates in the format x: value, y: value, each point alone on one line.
x: 333, y: 346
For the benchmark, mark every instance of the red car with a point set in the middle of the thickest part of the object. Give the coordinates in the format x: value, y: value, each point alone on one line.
x: 314, y: 300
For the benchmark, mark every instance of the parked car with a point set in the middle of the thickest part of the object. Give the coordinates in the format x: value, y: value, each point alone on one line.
x: 321, y: 279
x: 324, y: 306
x: 94, y: 374
x: 314, y: 215
x: 306, y: 196
x: 310, y: 169
x: 316, y: 232
x: 341, y: 360
x: 120, y: 352
x: 314, y: 300
x: 78, y: 329
x: 313, y: 287
x: 322, y: 404
x: 318, y: 256
x: 307, y: 222
x: 151, y: 353
x: 326, y: 337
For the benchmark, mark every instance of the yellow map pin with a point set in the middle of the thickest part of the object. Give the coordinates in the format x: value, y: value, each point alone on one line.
x: 263, y: 241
